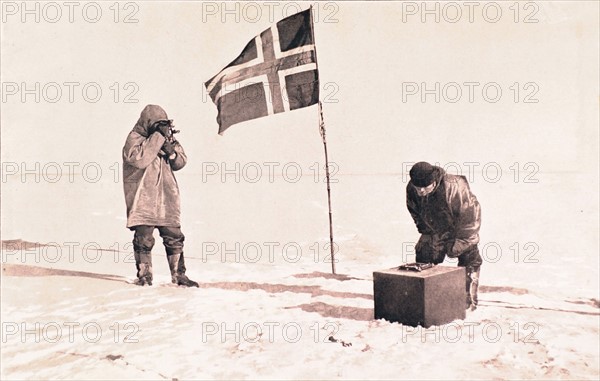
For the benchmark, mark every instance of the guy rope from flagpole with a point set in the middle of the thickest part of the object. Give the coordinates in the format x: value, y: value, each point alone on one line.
x: 322, y: 131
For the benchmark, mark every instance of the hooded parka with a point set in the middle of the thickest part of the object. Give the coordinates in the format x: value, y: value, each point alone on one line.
x: 151, y: 190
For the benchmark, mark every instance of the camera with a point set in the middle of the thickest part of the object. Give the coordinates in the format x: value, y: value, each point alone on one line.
x: 165, y: 122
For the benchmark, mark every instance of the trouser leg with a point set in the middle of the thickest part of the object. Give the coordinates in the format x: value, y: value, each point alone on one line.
x: 172, y: 239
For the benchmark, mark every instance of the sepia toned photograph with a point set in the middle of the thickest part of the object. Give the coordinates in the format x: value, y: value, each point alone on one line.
x: 324, y: 190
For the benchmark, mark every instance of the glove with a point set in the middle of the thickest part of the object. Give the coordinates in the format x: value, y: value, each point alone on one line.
x: 163, y: 127
x: 164, y: 130
x: 451, y: 251
x: 169, y: 148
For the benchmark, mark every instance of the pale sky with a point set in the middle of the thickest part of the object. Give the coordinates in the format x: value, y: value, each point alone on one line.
x: 366, y: 55
x: 376, y: 60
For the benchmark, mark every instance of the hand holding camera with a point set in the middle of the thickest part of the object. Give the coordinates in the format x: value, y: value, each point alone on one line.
x: 165, y: 128
x: 169, y: 148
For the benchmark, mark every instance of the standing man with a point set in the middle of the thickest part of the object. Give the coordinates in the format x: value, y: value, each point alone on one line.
x: 150, y: 156
x: 448, y: 217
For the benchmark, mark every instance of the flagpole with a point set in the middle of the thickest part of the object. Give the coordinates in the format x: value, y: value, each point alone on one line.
x: 322, y: 131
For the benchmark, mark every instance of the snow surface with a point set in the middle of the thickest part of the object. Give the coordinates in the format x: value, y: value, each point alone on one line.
x: 70, y: 312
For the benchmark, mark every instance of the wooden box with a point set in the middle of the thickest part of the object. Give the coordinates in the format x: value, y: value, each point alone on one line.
x: 433, y: 296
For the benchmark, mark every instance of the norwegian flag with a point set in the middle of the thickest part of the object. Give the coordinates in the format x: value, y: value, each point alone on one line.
x: 276, y: 72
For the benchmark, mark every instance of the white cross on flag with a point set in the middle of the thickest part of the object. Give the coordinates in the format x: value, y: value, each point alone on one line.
x: 276, y: 72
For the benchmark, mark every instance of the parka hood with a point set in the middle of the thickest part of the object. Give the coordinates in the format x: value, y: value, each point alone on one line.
x: 150, y: 114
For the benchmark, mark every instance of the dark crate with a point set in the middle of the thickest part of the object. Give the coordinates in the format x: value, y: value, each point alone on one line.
x: 433, y: 296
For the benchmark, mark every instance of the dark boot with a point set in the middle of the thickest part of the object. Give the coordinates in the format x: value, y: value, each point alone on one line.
x: 177, y: 267
x: 474, y: 286
x: 143, y: 263
x: 471, y: 260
